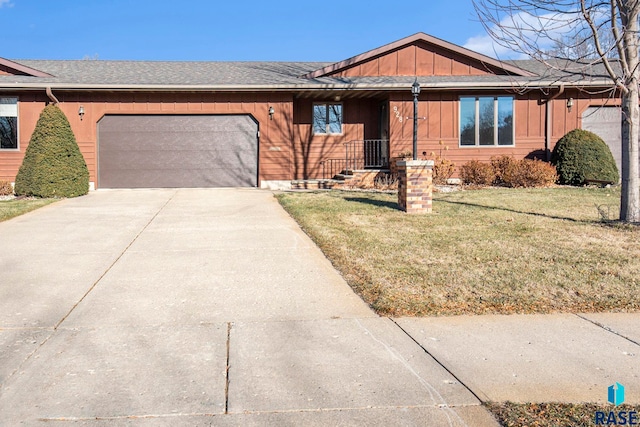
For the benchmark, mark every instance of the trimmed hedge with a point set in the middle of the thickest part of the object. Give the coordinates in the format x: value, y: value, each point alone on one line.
x: 501, y: 165
x: 53, y: 165
x: 581, y: 155
x: 5, y: 188
x: 477, y: 173
x: 529, y: 173
x: 509, y: 172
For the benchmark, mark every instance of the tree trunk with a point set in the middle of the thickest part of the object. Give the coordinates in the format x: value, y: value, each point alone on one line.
x: 630, y: 197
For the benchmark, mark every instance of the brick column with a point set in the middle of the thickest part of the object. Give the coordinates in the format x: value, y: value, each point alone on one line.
x: 415, y: 187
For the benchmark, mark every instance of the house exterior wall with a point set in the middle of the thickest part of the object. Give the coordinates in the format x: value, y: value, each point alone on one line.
x: 360, y: 122
x: 441, y: 123
x: 288, y: 148
x: 419, y: 59
x: 275, y: 149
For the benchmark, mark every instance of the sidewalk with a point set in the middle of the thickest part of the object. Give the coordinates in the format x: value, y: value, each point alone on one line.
x: 536, y: 358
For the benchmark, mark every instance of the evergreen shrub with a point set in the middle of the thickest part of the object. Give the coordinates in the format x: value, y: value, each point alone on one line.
x: 53, y: 165
x: 581, y: 155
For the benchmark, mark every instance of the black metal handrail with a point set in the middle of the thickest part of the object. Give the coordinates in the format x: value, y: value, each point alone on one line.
x: 366, y: 154
x: 369, y: 153
x: 332, y: 167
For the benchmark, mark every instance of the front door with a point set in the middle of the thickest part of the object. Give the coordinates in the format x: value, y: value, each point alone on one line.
x: 376, y: 151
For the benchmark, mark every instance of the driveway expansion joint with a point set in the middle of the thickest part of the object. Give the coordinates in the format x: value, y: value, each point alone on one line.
x: 359, y: 408
x: 92, y: 287
x: 608, y: 329
x: 462, y: 383
x: 226, y: 373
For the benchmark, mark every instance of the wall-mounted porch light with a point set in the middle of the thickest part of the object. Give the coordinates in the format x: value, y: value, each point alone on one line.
x: 272, y: 111
x: 569, y: 104
x: 81, y: 112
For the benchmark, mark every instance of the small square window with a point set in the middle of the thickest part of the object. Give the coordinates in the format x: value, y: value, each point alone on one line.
x: 9, y: 123
x: 327, y: 118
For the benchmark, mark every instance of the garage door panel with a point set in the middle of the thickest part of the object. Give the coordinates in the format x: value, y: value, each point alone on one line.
x: 170, y: 160
x: 201, y: 140
x: 606, y: 123
x: 177, y: 151
x: 160, y: 179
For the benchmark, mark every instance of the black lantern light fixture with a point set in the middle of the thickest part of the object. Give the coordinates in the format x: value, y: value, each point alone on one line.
x: 81, y: 112
x: 272, y: 111
x: 569, y: 104
x: 415, y: 91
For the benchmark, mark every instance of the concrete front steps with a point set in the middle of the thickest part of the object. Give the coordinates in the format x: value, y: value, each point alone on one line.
x: 314, y: 184
x: 355, y: 178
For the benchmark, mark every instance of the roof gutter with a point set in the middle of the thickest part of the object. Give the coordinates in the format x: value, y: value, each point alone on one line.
x: 51, y: 95
x: 547, y: 121
x: 304, y: 87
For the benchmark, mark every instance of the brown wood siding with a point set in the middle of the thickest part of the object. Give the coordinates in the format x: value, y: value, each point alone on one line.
x: 441, y: 126
x: 287, y: 147
x: 360, y: 122
x: 275, y: 146
x: 421, y: 59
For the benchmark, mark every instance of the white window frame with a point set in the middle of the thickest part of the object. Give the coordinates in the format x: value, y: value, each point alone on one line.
x: 17, y: 121
x: 327, y: 121
x: 495, y: 121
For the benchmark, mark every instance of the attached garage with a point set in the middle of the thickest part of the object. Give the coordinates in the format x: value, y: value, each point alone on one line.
x: 606, y: 123
x: 171, y: 151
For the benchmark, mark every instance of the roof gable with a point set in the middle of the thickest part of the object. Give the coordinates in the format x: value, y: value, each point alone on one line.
x: 11, y: 68
x: 418, y: 55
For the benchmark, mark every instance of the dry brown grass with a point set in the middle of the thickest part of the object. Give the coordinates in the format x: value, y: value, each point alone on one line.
x: 487, y: 251
x: 13, y: 208
x: 550, y: 414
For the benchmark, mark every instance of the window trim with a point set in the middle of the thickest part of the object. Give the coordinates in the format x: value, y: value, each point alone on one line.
x: 495, y: 121
x: 17, y: 123
x: 327, y: 121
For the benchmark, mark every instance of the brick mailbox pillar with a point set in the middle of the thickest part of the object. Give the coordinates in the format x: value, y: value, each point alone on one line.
x: 415, y: 186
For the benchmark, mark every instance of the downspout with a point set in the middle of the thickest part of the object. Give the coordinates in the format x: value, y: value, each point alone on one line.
x: 548, y: 127
x: 51, y: 96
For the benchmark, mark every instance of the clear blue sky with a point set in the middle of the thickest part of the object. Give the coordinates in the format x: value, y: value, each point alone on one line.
x: 213, y: 30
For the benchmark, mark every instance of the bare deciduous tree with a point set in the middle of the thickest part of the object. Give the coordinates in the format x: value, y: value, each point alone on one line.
x: 583, y: 33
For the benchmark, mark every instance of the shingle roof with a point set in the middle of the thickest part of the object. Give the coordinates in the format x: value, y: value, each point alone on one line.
x: 167, y: 73
x: 99, y: 74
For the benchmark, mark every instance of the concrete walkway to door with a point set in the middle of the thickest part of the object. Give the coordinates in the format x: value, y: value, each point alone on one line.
x: 198, y: 307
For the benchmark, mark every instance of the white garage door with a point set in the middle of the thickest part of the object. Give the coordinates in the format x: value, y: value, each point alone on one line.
x: 168, y: 151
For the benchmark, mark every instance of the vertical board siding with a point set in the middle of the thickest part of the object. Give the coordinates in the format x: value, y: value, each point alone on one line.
x: 273, y: 164
x: 288, y: 149
x: 441, y: 127
x: 407, y: 61
x: 309, y: 150
x: 419, y: 59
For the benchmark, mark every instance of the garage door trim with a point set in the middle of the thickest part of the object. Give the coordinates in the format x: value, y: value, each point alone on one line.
x: 245, y: 140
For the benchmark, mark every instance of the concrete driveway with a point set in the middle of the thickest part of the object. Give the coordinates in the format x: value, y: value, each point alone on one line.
x: 198, y: 307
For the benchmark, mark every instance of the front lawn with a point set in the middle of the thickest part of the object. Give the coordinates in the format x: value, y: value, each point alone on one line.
x: 12, y: 208
x: 482, y: 251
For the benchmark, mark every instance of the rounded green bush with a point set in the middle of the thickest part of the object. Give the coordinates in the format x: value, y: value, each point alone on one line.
x: 53, y: 165
x: 581, y: 155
